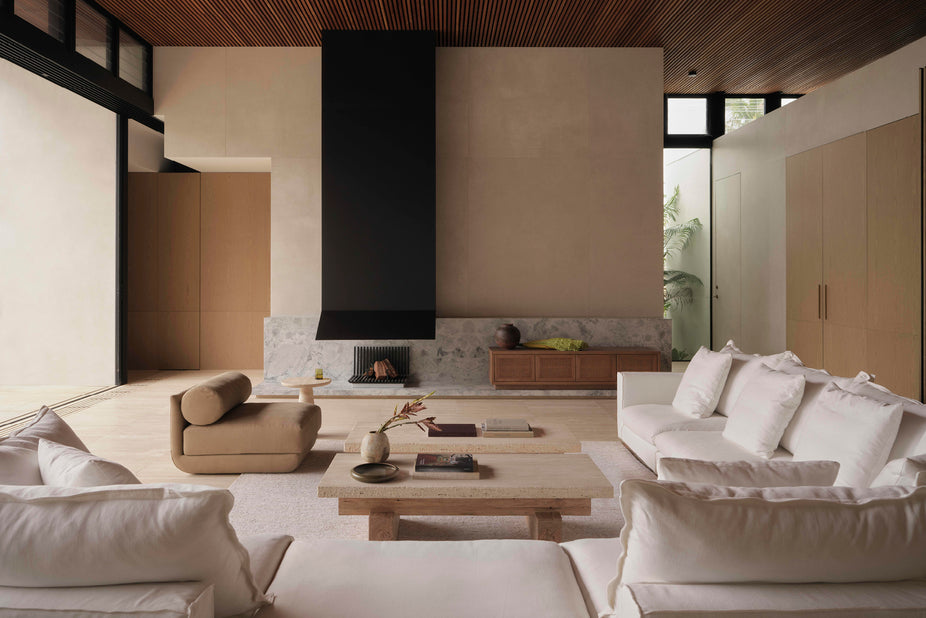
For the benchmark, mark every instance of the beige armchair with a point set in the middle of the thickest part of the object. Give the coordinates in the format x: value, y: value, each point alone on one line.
x: 213, y: 430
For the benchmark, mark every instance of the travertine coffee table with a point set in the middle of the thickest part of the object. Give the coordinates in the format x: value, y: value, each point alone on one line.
x: 305, y: 386
x: 543, y: 487
x: 548, y: 438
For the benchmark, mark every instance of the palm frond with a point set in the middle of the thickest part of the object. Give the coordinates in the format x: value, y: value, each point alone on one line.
x: 670, y: 208
x: 677, y: 237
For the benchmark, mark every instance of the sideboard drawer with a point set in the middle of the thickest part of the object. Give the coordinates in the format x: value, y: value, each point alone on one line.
x: 638, y: 362
x: 555, y: 368
x: 595, y: 367
x: 511, y: 368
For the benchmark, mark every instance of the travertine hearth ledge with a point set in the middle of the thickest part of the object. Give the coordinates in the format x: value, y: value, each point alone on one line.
x: 455, y: 363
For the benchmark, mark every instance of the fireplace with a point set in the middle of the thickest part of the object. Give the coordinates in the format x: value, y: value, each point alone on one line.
x: 366, y: 357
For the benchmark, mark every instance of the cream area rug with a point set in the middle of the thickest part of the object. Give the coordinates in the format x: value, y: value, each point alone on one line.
x: 289, y: 504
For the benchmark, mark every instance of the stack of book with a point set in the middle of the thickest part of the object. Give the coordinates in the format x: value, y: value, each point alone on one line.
x: 446, y: 466
x: 506, y: 428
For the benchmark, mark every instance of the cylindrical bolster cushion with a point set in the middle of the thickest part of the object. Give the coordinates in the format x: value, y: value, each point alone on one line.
x: 205, y: 403
x: 707, y: 534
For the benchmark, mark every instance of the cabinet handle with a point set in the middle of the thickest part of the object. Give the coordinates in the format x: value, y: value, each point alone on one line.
x: 819, y: 302
x: 826, y: 304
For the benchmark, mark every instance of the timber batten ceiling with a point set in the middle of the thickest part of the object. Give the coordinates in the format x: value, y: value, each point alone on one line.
x: 736, y: 46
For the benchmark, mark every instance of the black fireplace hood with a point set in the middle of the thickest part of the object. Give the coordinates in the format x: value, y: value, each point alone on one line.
x: 378, y: 185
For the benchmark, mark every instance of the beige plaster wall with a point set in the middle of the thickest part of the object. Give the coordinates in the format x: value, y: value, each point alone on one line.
x: 549, y: 171
x: 877, y: 94
x: 549, y: 181
x: 57, y: 234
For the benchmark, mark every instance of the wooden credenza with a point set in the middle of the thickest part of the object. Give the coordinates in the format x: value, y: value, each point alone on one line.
x: 594, y: 368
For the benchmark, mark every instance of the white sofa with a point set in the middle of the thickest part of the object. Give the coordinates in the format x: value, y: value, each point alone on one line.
x: 499, y: 578
x: 652, y: 428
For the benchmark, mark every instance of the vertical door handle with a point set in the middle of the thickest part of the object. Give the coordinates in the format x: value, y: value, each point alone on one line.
x: 826, y: 308
x: 819, y: 302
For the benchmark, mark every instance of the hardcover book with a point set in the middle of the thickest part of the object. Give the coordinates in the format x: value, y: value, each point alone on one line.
x: 505, y: 424
x: 446, y: 466
x: 453, y: 430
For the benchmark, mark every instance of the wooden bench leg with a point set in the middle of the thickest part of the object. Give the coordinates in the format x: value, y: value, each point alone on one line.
x: 546, y: 526
x: 384, y: 526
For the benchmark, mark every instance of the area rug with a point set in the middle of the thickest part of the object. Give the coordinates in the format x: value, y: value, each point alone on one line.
x: 288, y: 503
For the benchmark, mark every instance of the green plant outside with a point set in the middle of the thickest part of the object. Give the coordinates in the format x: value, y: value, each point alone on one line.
x: 678, y: 285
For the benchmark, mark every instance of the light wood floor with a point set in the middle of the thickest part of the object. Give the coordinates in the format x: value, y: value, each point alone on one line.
x: 17, y: 400
x: 130, y: 424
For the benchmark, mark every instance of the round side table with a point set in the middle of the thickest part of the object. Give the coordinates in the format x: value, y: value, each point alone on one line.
x: 305, y: 386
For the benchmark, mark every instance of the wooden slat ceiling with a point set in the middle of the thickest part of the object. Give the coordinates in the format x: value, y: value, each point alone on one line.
x: 736, y: 46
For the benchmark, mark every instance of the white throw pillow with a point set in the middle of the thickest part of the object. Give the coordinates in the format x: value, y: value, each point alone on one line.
x: 702, y: 383
x: 63, y: 537
x: 855, y: 431
x: 911, y: 437
x: 66, y: 466
x: 707, y: 534
x: 742, y: 369
x: 763, y: 410
x: 19, y: 463
x: 748, y: 473
x: 815, y: 381
x: 903, y: 471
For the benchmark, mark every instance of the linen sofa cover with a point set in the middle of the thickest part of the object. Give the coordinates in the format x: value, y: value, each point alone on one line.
x: 707, y: 445
x: 167, y: 600
x: 398, y: 579
x: 904, y: 599
x: 125, y: 534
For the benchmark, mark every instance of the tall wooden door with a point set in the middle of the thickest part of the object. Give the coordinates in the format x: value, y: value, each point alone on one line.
x: 894, y: 255
x: 805, y: 256
x: 725, y: 299
x: 845, y: 256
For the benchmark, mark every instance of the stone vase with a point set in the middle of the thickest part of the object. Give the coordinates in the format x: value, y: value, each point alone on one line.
x: 374, y: 448
x: 507, y: 336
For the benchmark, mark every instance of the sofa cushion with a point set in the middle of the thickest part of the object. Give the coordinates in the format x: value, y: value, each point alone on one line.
x: 165, y: 600
x: 782, y: 535
x: 702, y: 383
x: 650, y: 420
x: 593, y: 565
x: 742, y: 369
x: 911, y: 435
x: 881, y: 599
x: 902, y: 471
x: 259, y: 427
x: 777, y: 473
x: 511, y: 578
x: 706, y: 445
x: 19, y: 463
x: 127, y: 534
x: 856, y: 431
x: 266, y: 552
x: 71, y: 467
x: 763, y: 410
x: 208, y: 401
x: 815, y: 380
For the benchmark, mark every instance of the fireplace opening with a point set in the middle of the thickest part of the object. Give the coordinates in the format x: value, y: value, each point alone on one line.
x: 381, y: 366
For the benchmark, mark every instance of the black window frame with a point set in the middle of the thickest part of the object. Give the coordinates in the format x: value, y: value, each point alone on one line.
x: 34, y: 49
x: 716, y: 123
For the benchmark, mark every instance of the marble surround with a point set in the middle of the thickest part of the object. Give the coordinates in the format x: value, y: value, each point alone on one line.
x: 455, y: 363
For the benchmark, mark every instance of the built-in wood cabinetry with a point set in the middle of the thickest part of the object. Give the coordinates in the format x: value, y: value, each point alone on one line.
x: 198, y: 270
x: 853, y: 257
x: 527, y: 368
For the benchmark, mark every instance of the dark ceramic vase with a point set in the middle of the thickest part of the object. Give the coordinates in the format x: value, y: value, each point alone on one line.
x: 507, y: 336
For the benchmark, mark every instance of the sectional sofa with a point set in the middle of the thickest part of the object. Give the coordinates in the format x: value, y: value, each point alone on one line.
x: 876, y: 453
x: 79, y: 536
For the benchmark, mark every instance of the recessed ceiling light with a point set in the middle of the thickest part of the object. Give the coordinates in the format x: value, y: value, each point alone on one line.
x: 692, y: 73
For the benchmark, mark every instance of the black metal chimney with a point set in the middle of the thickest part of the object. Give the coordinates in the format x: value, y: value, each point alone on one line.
x: 378, y: 185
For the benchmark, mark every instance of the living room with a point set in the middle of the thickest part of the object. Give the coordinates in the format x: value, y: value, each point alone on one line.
x: 228, y: 205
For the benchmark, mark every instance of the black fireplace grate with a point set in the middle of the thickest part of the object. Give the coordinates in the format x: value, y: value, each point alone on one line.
x: 366, y: 355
